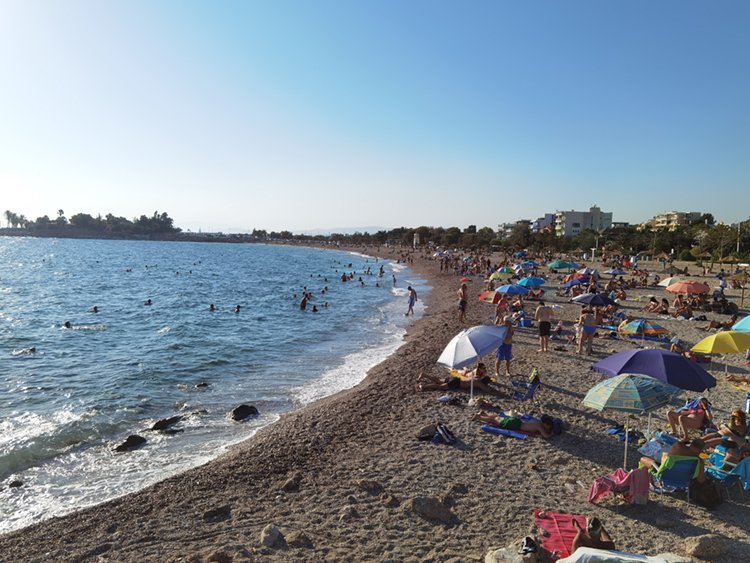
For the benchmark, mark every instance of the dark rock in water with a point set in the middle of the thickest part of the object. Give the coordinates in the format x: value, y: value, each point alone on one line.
x: 15, y: 484
x: 201, y: 385
x: 243, y: 411
x: 132, y: 442
x: 165, y: 423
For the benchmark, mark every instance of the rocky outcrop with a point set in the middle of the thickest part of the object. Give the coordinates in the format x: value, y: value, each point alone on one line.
x: 243, y: 411
x: 132, y: 442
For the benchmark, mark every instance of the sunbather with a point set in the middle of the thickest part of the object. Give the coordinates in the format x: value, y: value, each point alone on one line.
x: 690, y: 419
x: 720, y: 325
x: 543, y: 426
x: 593, y: 536
x: 736, y: 430
x: 689, y: 448
x: 427, y: 382
x: 738, y: 378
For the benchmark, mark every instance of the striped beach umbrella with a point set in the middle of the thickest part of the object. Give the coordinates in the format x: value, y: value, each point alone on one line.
x: 642, y: 327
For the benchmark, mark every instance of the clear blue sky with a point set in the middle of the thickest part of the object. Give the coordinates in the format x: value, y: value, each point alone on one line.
x: 320, y: 114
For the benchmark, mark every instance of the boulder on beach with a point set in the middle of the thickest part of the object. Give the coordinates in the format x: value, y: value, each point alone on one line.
x: 243, y: 411
x: 132, y: 442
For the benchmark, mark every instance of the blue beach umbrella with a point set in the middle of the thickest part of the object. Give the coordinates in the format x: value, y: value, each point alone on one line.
x: 742, y: 325
x: 665, y: 366
x: 531, y: 281
x: 575, y: 281
x: 616, y: 272
x: 513, y: 289
x: 594, y: 299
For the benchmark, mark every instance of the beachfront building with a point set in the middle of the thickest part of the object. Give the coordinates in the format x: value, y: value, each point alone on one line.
x: 571, y: 223
x: 542, y: 224
x: 504, y: 230
x: 671, y: 220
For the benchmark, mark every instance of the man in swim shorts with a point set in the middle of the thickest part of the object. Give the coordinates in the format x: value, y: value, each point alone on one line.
x: 505, y: 351
x: 543, y: 316
x: 463, y: 295
x: 544, y: 426
x: 412, y: 301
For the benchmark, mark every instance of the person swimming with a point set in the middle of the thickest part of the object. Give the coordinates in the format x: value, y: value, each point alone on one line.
x: 236, y: 308
x: 94, y: 309
x: 212, y: 307
x: 67, y: 324
x: 25, y: 351
x: 148, y: 302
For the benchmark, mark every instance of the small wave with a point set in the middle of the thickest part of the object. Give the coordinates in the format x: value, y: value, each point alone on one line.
x: 164, y: 330
x: 397, y: 267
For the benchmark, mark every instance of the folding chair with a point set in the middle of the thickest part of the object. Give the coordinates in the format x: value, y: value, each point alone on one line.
x: 721, y: 470
x: 525, y: 390
x: 675, y: 473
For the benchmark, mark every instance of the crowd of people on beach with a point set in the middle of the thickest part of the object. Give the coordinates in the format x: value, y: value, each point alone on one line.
x: 695, y: 433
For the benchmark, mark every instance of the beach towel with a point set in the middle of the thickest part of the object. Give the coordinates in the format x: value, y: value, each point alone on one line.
x: 558, y: 532
x: 633, y: 485
x: 591, y: 555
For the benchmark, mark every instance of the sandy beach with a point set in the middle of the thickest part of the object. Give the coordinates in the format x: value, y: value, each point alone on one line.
x: 341, y: 478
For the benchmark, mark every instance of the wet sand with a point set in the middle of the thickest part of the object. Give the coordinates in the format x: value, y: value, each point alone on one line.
x: 339, y: 477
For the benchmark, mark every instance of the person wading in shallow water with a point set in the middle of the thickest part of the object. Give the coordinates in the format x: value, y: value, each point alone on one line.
x: 412, y: 301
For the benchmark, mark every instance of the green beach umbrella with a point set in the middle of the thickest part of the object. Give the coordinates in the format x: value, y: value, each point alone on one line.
x: 630, y: 393
x: 560, y: 265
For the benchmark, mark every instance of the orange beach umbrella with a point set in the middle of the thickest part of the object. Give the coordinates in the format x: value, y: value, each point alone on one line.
x: 688, y: 286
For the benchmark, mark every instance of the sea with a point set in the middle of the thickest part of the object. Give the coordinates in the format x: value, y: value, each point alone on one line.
x: 65, y: 405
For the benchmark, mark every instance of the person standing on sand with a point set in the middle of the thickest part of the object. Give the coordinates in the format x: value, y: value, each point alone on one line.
x: 463, y: 302
x: 587, y: 328
x: 412, y: 300
x: 543, y: 316
x: 505, y: 351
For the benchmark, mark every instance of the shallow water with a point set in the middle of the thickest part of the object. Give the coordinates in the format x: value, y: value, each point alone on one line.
x: 116, y: 372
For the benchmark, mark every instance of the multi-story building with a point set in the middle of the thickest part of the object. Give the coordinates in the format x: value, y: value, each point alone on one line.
x: 671, y: 220
x: 544, y: 223
x: 570, y: 223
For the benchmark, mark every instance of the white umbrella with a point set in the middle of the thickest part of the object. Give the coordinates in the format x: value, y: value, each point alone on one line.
x: 666, y: 282
x: 471, y: 344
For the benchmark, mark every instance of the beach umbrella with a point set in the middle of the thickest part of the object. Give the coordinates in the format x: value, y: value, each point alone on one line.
x: 561, y: 264
x: 643, y: 328
x: 471, y: 344
x: 531, y: 281
x: 616, y: 272
x: 742, y: 325
x: 465, y: 280
x: 575, y: 281
x: 688, y: 286
x: 576, y: 276
x: 496, y: 275
x: 529, y: 264
x: 588, y: 272
x: 724, y: 342
x: 520, y: 254
x: 666, y: 282
x: 630, y: 393
x: 512, y: 289
x: 593, y: 299
x: 492, y: 297
x: 506, y: 270
x: 665, y: 366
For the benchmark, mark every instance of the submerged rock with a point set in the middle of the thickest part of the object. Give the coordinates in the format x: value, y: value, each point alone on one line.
x: 132, y: 442
x: 15, y: 484
x: 165, y: 423
x: 243, y: 411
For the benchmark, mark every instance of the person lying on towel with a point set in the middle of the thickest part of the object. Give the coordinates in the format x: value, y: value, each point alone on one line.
x: 543, y: 426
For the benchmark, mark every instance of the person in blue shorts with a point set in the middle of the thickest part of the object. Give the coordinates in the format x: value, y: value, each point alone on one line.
x: 412, y: 300
x: 505, y: 351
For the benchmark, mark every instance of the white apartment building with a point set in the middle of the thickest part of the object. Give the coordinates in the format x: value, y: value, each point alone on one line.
x: 571, y: 223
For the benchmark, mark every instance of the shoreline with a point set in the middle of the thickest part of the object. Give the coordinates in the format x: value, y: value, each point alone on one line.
x: 337, y: 476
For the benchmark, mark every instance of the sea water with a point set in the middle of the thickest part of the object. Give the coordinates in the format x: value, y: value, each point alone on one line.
x: 117, y: 371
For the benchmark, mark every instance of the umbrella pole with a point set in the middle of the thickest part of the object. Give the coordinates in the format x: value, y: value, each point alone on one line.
x: 471, y: 391
x: 625, y: 463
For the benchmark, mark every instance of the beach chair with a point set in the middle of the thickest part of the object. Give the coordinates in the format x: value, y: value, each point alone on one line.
x: 722, y: 471
x: 525, y: 390
x: 675, y: 473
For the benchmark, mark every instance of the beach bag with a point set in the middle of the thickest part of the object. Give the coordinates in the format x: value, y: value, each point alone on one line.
x: 706, y: 494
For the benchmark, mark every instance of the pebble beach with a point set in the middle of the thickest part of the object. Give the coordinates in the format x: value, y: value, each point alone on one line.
x: 345, y: 478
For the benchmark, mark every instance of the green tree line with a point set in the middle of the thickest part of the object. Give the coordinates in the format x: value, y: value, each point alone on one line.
x: 157, y: 224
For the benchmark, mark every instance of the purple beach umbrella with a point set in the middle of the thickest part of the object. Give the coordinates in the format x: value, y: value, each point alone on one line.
x: 665, y: 366
x: 593, y: 299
